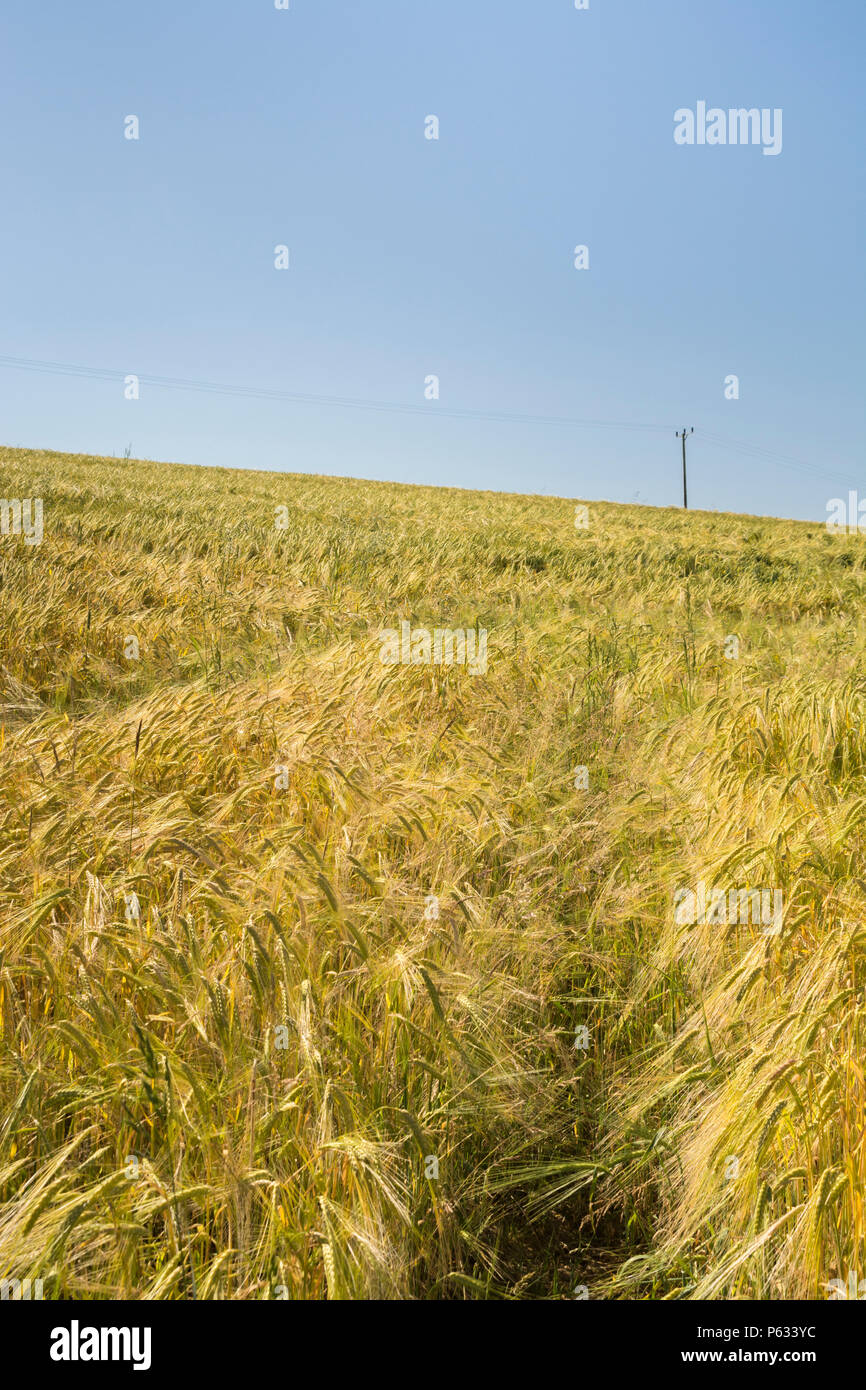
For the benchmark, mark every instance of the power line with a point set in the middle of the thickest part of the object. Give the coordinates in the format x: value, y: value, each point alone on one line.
x: 757, y: 451
x: 742, y: 447
x: 299, y: 398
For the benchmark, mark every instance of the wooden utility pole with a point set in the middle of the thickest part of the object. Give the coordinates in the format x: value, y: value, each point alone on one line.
x: 683, y: 438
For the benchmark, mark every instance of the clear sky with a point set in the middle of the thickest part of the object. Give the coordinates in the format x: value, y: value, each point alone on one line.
x: 453, y: 257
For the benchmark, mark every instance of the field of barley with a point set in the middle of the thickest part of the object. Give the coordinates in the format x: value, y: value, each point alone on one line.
x: 323, y: 978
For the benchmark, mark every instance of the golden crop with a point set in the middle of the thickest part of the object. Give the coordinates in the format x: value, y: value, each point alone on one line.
x: 280, y: 925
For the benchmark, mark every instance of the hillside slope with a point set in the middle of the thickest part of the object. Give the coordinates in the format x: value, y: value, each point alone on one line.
x: 327, y: 977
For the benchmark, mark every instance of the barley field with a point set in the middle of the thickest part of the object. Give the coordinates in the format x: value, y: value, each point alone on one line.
x: 328, y: 978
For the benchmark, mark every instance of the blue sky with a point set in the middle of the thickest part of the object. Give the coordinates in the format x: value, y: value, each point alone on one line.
x: 412, y: 257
